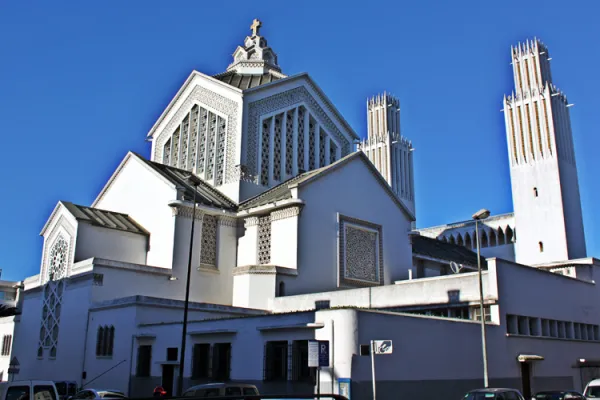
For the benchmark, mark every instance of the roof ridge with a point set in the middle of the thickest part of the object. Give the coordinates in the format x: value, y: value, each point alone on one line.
x: 94, y: 208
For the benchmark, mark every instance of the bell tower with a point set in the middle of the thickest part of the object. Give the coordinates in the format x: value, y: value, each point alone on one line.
x: 543, y: 170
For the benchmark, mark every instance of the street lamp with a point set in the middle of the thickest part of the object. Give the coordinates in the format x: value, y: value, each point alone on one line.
x: 194, y: 181
x: 478, y: 216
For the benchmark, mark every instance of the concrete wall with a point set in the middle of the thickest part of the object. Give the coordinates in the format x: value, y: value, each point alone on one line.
x: 506, y: 252
x: 95, y: 241
x: 354, y: 192
x: 141, y: 193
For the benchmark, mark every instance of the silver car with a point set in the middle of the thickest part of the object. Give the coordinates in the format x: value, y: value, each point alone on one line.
x: 95, y: 394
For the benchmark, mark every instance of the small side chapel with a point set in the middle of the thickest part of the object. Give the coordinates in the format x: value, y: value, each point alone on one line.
x: 284, y: 205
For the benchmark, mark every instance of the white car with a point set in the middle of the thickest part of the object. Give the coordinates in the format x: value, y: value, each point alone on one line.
x: 95, y: 394
x: 592, y: 390
x: 26, y: 390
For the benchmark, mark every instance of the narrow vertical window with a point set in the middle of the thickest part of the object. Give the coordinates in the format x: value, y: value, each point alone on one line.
x: 535, y: 192
x: 541, y: 244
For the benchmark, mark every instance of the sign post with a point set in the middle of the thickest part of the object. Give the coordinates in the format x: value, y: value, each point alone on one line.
x: 379, y: 347
x: 318, y: 356
x: 13, y: 368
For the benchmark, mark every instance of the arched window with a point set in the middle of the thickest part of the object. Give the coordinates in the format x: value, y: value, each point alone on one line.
x: 105, y: 340
x: 509, y: 235
x: 501, y: 239
x: 444, y: 239
x: 452, y: 239
x: 281, y: 288
x: 468, y: 242
x: 484, y: 239
x: 541, y: 244
x: 459, y: 240
x: 492, y: 238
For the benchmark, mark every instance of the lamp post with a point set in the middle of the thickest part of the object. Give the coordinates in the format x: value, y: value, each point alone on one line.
x: 478, y: 216
x: 194, y: 181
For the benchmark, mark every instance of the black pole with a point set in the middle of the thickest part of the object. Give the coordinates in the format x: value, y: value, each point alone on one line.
x: 187, y: 301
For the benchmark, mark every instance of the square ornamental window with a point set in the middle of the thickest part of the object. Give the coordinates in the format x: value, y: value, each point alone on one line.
x: 360, y: 252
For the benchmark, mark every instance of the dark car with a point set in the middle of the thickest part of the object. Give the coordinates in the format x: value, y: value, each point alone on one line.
x: 494, y: 394
x: 558, y: 395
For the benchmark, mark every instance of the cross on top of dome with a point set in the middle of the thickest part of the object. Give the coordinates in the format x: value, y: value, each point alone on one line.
x: 255, y: 56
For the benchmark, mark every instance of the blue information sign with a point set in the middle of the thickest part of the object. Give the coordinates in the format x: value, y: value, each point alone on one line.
x: 323, y: 353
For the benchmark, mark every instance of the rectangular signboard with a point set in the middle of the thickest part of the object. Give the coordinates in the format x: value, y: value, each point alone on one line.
x: 323, y: 353
x: 383, y: 346
x: 313, y: 353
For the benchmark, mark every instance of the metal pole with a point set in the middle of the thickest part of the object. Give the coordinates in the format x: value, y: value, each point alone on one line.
x: 481, y: 310
x: 373, y: 366
x: 319, y: 382
x: 187, y: 302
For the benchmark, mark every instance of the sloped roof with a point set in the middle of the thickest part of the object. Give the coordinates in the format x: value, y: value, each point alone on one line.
x: 429, y: 247
x: 245, y: 81
x: 205, y: 193
x: 104, y: 218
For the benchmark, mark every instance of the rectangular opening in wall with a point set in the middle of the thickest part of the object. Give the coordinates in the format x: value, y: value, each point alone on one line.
x: 590, y: 332
x: 553, y: 328
x: 172, y: 354
x: 523, y: 325
x: 569, y: 330
x: 276, y: 355
x: 596, y: 332
x: 477, y: 313
x: 201, y: 361
x: 144, y: 357
x: 534, y: 326
x: 512, y: 325
x: 545, y: 327
x: 561, y: 330
x: 584, y: 332
x: 300, y: 369
x: 221, y: 361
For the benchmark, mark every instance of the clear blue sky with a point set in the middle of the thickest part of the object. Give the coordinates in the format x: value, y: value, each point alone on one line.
x: 81, y: 83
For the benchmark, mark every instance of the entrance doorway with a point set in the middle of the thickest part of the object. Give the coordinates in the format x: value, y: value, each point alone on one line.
x: 168, y: 372
x: 526, y: 379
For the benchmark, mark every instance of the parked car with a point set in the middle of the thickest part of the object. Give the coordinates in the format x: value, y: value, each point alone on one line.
x: 592, y: 389
x: 494, y: 394
x: 65, y: 389
x: 221, y: 389
x: 28, y: 390
x: 558, y: 395
x: 95, y: 394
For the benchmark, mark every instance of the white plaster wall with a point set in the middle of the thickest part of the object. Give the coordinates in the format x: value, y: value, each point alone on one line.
x: 7, y: 327
x: 139, y: 192
x: 284, y: 242
x: 353, y: 191
x: 248, y: 246
x: 506, y: 252
x: 207, y: 286
x: 403, y: 293
x: 254, y: 290
x: 539, y: 218
x: 124, y: 321
x: 72, y: 332
x: 95, y: 241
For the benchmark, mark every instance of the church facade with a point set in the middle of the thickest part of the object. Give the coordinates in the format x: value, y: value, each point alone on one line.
x: 295, y: 230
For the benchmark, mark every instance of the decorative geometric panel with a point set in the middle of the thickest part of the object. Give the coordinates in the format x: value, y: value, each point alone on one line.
x: 264, y: 239
x: 322, y: 137
x: 264, y: 152
x: 193, y: 137
x: 277, y: 148
x: 185, y: 125
x: 220, y: 151
x: 301, y: 138
x: 312, y: 126
x: 57, y: 263
x: 202, y: 144
x: 210, y: 157
x: 289, y: 142
x: 360, y: 253
x: 175, y: 152
x: 208, y: 252
x: 332, y: 152
x: 51, y: 309
x: 167, y: 153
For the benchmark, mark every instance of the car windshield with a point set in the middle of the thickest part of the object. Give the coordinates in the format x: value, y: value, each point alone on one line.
x: 61, y: 388
x: 592, y: 391
x: 550, y: 396
x: 480, y: 396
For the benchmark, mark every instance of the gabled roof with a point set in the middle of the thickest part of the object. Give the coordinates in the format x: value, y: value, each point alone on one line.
x: 284, y: 190
x: 433, y: 248
x: 104, y: 218
x: 205, y: 193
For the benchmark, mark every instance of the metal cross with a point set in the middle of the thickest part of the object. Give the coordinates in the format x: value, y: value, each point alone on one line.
x: 256, y: 24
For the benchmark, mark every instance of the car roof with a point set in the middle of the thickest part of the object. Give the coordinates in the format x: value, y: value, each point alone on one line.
x: 595, y: 382
x: 220, y: 385
x: 493, y: 390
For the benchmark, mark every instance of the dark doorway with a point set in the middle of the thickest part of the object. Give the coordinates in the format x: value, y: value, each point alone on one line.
x: 168, y: 372
x: 526, y: 379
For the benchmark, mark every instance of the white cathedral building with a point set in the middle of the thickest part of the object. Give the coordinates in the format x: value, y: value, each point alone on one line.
x: 304, y: 231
